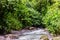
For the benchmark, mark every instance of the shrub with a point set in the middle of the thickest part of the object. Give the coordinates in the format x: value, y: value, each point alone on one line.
x: 52, y: 17
x: 16, y: 15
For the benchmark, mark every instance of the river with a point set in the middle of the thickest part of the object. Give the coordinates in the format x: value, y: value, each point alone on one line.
x: 33, y: 34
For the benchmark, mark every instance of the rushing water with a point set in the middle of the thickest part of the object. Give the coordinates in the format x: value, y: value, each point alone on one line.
x: 34, y: 35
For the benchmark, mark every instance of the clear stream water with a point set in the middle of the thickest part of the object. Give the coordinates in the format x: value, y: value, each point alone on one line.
x: 34, y: 35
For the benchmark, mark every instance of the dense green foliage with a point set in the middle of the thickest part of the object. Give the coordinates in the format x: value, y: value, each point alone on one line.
x: 18, y: 14
x: 52, y: 18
